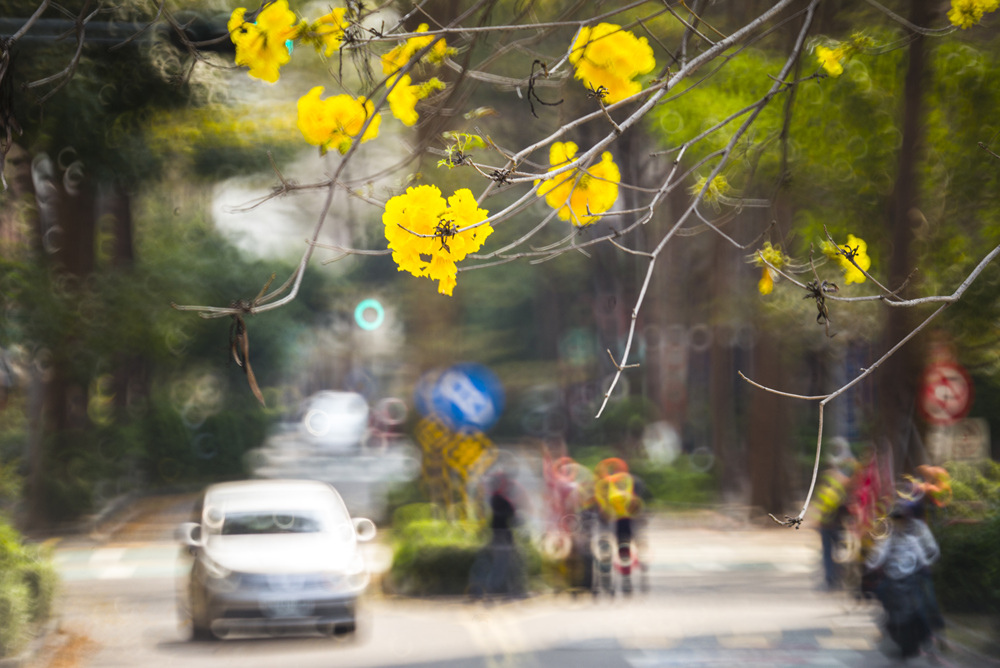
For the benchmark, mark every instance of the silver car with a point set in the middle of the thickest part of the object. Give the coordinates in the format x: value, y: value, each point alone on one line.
x: 272, y: 556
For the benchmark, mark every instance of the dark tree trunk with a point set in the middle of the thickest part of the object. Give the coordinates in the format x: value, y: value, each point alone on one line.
x: 768, y: 432
x: 67, y: 227
x: 898, y: 379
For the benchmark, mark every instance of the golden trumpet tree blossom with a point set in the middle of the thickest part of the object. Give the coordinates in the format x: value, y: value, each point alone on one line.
x: 769, y: 256
x: 967, y: 13
x: 397, y: 59
x: 580, y: 196
x: 336, y: 121
x: 831, y: 60
x: 856, y: 248
x: 263, y: 45
x: 425, y: 232
x: 608, y: 57
x: 404, y: 95
x: 327, y: 32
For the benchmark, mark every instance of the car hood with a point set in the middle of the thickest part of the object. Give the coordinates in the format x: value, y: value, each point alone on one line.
x: 283, y: 553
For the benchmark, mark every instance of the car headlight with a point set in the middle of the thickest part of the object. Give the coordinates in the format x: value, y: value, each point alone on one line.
x: 354, y: 578
x: 218, y: 576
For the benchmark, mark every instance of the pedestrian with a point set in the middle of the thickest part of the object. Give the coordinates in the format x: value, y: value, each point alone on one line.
x: 903, y: 559
x: 831, y: 507
x: 620, y: 499
x: 498, y: 568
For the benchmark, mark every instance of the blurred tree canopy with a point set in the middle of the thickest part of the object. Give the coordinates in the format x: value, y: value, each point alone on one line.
x: 127, y: 117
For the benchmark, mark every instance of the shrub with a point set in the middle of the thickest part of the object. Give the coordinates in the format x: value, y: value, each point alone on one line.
x: 434, y: 556
x: 15, y: 613
x: 676, y: 484
x: 27, y: 589
x: 967, y: 576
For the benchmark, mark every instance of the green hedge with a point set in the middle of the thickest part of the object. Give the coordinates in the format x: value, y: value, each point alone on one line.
x: 967, y: 576
x: 433, y: 555
x: 676, y: 484
x: 27, y: 588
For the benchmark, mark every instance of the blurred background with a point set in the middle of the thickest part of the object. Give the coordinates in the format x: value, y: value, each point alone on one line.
x: 141, y: 179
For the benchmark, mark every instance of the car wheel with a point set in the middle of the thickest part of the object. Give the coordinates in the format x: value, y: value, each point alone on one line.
x: 345, y: 629
x: 201, y: 628
x: 201, y: 633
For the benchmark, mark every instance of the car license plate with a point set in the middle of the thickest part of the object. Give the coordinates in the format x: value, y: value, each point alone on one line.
x: 286, y: 608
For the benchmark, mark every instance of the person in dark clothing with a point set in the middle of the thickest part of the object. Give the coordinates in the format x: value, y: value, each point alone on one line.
x: 498, y: 568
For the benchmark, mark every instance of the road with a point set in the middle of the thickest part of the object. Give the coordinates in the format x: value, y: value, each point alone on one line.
x: 721, y: 594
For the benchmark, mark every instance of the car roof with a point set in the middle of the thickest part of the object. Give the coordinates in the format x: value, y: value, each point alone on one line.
x: 273, y: 495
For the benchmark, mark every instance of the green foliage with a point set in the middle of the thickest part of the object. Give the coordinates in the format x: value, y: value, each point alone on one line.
x: 967, y: 576
x: 975, y: 489
x: 676, y: 484
x: 11, y: 483
x: 432, y: 555
x: 27, y: 588
x: 621, y: 425
x: 15, y: 615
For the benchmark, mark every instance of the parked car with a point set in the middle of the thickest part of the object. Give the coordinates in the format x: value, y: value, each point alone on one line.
x: 272, y: 556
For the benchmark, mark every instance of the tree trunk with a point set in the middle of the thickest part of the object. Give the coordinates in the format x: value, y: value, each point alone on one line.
x: 898, y: 379
x: 67, y: 228
x: 768, y: 439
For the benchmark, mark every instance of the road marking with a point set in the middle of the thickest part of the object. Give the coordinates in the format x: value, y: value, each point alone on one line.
x: 116, y: 572
x: 106, y: 554
x: 119, y: 562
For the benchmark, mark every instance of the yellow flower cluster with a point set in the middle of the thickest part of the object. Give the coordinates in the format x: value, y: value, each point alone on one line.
x: 336, y: 121
x: 579, y: 196
x: 856, y: 247
x: 403, y: 93
x: 772, y: 257
x: 397, y: 59
x: 327, y: 32
x: 967, y: 13
x: 423, y: 232
x: 607, y: 58
x: 263, y: 45
x: 717, y: 189
x: 831, y: 60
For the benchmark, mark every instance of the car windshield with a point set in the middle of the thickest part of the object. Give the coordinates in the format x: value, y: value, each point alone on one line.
x: 243, y: 523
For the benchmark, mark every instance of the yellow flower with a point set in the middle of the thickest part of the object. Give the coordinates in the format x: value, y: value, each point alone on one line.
x: 766, y: 283
x: 830, y: 59
x: 336, y: 121
x: 421, y: 210
x: 967, y: 13
x: 768, y: 255
x: 403, y: 96
x: 327, y: 32
x: 607, y: 56
x: 263, y: 45
x: 718, y: 188
x: 771, y: 255
x: 397, y: 59
x: 858, y: 249
x: 580, y: 196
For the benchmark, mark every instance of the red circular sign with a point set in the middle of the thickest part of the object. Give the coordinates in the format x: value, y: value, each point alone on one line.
x: 946, y: 393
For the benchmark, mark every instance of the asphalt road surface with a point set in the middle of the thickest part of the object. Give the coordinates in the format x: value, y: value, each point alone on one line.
x: 721, y: 594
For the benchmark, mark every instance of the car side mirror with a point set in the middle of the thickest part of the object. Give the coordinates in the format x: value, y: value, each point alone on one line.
x: 190, y: 534
x: 364, y: 528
